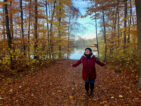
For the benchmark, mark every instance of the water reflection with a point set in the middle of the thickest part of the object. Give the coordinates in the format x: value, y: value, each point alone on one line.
x: 77, y: 53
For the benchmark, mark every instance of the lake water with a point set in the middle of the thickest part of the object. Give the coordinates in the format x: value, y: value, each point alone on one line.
x: 74, y: 55
x: 77, y: 53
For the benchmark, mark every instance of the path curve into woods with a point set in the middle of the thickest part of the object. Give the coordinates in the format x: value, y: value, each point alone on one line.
x: 62, y: 85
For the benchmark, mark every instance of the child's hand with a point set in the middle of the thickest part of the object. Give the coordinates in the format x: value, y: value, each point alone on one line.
x: 105, y: 63
x: 72, y: 65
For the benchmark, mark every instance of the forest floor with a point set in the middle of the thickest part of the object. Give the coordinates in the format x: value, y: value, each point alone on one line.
x: 62, y: 85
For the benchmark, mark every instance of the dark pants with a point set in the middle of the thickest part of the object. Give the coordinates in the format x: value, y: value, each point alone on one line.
x: 89, y: 84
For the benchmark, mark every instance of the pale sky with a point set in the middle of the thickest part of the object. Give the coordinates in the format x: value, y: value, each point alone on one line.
x: 88, y: 30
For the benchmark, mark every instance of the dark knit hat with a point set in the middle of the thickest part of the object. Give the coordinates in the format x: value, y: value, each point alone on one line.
x: 88, y: 49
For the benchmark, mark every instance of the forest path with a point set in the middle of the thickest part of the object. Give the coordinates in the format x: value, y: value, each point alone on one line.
x: 62, y: 85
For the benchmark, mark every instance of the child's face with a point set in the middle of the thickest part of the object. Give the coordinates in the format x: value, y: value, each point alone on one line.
x: 87, y: 51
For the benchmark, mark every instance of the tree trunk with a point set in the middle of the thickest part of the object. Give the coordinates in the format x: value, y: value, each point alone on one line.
x: 35, y: 30
x: 59, y: 31
x: 22, y: 29
x: 118, y: 21
x: 69, y: 36
x: 96, y: 35
x: 8, y: 33
x: 47, y: 15
x: 51, y: 29
x: 11, y: 21
x: 29, y: 19
x: 130, y: 21
x: 104, y: 27
x: 138, y: 12
x: 125, y: 22
x: 3, y: 32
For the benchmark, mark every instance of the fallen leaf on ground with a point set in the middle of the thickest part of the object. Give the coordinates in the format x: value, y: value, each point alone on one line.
x: 59, y: 91
x: 120, y: 96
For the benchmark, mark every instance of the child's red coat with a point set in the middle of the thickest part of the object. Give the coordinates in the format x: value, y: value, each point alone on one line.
x: 89, y: 70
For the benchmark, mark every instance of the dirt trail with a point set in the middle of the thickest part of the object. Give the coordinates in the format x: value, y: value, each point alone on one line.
x: 62, y: 85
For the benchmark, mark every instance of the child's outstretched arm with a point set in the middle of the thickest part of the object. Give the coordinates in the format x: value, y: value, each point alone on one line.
x: 77, y: 63
x: 99, y: 62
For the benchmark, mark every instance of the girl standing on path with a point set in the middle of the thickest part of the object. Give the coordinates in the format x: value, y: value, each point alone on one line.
x: 89, y: 70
